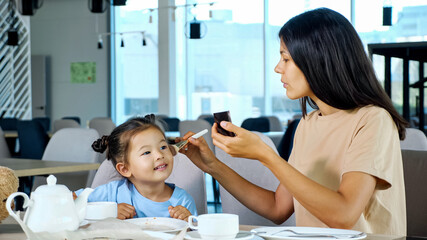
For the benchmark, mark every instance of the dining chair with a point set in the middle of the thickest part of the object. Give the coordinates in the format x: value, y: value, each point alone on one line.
x: 197, y: 126
x: 255, y: 172
x: 207, y: 117
x: 32, y: 138
x: 275, y: 124
x: 172, y: 124
x: 259, y: 124
x: 8, y: 124
x: 184, y: 175
x: 64, y: 123
x: 103, y: 125
x: 71, y: 145
x: 415, y: 140
x: 44, y: 121
x: 4, y: 149
x: 414, y: 169
x: 287, y: 142
x: 75, y: 118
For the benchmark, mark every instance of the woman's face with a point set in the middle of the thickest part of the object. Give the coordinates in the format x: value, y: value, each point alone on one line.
x: 150, y: 159
x: 291, y: 76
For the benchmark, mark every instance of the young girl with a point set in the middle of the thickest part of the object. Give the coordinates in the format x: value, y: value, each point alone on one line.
x: 139, y: 150
x: 345, y: 169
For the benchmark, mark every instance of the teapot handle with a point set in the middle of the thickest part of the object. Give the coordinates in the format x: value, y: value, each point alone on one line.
x: 9, y: 209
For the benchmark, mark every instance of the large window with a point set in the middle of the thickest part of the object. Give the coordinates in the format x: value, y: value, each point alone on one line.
x: 136, y: 85
x: 232, y: 66
x: 225, y: 69
x: 408, y: 25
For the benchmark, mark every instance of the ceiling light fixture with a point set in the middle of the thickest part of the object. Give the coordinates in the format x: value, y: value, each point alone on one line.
x: 100, y: 44
x: 144, y: 42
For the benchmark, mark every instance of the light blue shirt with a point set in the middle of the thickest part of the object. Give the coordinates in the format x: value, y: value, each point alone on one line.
x: 123, y: 191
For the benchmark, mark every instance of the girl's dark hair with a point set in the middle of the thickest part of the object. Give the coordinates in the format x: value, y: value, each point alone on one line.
x: 117, y: 144
x: 327, y: 49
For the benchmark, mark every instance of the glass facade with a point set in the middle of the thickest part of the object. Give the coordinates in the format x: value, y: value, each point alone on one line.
x: 231, y: 66
x: 136, y: 72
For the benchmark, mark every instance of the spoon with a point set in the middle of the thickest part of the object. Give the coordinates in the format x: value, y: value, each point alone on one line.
x: 313, y: 235
x: 181, y: 144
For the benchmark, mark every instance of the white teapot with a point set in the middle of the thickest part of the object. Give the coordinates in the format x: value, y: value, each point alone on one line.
x: 51, y: 208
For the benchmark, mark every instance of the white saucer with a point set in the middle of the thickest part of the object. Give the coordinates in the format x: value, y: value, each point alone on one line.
x: 242, y: 235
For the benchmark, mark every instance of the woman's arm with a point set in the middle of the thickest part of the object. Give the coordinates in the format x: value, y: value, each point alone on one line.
x: 339, y: 209
x: 276, y: 206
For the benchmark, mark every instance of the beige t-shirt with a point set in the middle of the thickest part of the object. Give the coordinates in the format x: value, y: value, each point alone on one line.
x: 364, y: 140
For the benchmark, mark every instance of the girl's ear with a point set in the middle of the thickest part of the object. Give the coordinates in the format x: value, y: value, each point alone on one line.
x: 173, y: 150
x: 123, y: 170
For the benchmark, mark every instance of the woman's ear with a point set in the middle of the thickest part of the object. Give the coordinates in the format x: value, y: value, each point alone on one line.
x: 123, y: 170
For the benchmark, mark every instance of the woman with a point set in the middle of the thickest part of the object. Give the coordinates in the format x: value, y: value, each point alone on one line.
x: 345, y: 169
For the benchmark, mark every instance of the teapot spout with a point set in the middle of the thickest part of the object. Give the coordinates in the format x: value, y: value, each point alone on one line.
x: 81, y: 203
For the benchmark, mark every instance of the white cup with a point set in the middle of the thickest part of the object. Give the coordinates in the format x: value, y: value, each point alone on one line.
x: 216, y: 225
x: 100, y: 210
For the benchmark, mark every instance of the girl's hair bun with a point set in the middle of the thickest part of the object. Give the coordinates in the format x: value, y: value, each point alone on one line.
x: 101, y: 144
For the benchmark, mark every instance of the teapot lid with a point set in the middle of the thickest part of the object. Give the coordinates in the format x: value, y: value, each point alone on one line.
x: 52, y: 188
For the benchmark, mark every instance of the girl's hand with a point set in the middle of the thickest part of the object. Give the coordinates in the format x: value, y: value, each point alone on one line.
x: 125, y: 211
x: 179, y: 212
x: 245, y: 144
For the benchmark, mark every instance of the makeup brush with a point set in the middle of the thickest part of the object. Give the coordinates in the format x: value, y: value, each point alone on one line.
x: 181, y: 144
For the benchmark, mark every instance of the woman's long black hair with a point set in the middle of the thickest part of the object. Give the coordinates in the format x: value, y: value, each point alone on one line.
x: 329, y: 52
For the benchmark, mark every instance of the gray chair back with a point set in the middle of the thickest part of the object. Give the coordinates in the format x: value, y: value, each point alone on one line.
x: 71, y: 145
x: 184, y: 175
x: 103, y: 125
x: 207, y: 117
x: 197, y: 126
x: 275, y: 125
x: 415, y: 169
x: 415, y: 140
x: 64, y: 123
x: 256, y: 173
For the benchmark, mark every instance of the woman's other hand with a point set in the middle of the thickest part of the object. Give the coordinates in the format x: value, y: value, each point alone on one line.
x: 125, y: 211
x: 179, y: 212
x: 245, y: 144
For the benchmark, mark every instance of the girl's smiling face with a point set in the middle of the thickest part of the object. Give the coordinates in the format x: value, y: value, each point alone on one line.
x: 150, y: 159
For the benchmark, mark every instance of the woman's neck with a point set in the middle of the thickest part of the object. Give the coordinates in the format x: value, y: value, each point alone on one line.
x: 324, y: 108
x: 158, y: 192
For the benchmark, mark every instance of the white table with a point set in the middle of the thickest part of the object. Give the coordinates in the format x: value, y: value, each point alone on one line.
x: 12, y: 231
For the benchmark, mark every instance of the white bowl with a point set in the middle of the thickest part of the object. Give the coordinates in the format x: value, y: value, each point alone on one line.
x: 100, y: 210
